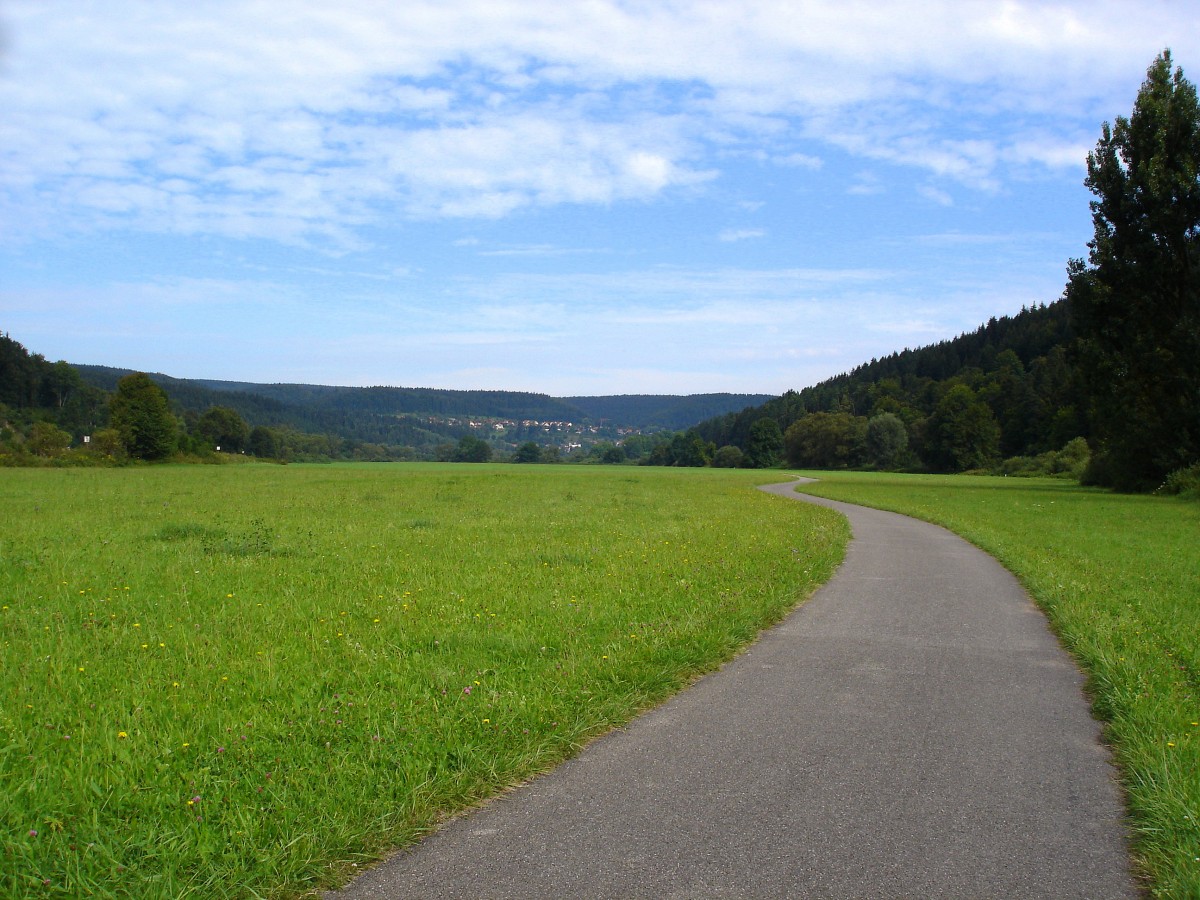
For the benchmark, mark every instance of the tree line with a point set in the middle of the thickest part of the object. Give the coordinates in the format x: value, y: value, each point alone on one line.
x: 1005, y: 397
x: 50, y: 415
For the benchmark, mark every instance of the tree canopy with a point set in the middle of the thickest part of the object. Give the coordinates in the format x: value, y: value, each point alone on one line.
x: 222, y: 428
x: 142, y: 417
x: 1020, y: 367
x: 766, y: 444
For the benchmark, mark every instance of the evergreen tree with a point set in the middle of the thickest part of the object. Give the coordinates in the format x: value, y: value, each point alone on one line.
x: 1135, y: 305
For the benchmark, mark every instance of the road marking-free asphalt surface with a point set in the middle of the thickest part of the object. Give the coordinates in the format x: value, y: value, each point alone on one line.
x: 912, y: 731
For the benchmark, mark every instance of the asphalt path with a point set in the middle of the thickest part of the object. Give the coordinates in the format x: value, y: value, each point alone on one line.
x: 913, y: 730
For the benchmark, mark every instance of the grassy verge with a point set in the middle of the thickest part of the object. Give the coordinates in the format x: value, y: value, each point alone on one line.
x: 239, y: 681
x: 1119, y: 579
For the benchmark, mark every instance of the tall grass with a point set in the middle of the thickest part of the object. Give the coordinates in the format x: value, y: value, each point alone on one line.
x: 241, y: 681
x: 1119, y: 578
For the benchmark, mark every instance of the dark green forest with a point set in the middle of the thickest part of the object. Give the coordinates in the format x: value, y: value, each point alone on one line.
x: 1006, y: 397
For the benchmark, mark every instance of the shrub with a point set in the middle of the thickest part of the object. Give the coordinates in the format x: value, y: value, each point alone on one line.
x: 1070, y: 462
x: 728, y: 457
x: 1183, y: 482
x: 1073, y: 458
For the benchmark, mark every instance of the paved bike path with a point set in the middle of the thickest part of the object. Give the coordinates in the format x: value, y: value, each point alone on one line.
x: 913, y: 730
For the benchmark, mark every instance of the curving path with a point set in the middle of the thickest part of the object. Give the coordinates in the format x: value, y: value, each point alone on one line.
x: 913, y: 730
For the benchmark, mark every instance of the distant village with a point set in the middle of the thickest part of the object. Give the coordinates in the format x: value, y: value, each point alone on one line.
x: 572, y: 435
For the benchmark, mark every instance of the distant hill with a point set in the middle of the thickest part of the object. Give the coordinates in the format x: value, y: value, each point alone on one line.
x: 1005, y: 397
x: 399, y: 415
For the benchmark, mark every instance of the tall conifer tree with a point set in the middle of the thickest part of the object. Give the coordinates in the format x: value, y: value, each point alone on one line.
x: 1135, y: 305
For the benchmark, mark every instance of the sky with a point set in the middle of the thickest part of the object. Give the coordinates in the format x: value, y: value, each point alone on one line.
x: 572, y: 198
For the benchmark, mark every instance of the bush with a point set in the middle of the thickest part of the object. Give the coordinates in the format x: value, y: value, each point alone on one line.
x: 1183, y: 482
x: 1021, y: 467
x: 1073, y: 458
x: 1069, y: 462
x: 728, y: 457
x: 47, y: 440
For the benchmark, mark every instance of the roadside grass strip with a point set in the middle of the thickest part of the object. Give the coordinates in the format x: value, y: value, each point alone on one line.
x: 1119, y: 579
x: 246, y: 681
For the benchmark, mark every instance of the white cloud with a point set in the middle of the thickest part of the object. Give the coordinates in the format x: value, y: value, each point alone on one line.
x: 801, y: 161
x: 732, y: 235
x: 540, y: 250
x: 935, y: 195
x: 1052, y: 152
x: 866, y: 184
x: 301, y: 122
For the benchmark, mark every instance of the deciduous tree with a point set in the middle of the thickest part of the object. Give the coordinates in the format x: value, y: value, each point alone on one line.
x: 962, y: 433
x: 528, y: 452
x: 140, y: 413
x: 728, y: 457
x: 887, y: 439
x: 222, y: 427
x: 60, y: 382
x: 826, y: 440
x: 472, y: 449
x: 47, y: 439
x: 765, y: 447
x: 264, y: 442
x: 688, y: 448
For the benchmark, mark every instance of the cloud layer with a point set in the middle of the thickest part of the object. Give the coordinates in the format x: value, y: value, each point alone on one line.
x: 304, y: 121
x: 578, y: 197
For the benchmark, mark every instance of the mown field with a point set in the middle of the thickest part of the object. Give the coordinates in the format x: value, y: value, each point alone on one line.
x: 242, y: 681
x: 1119, y: 578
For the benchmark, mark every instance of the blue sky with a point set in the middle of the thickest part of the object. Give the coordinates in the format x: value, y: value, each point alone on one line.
x: 590, y: 197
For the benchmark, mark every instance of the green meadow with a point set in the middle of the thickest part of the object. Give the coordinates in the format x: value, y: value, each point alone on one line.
x: 1119, y: 578
x: 243, y: 681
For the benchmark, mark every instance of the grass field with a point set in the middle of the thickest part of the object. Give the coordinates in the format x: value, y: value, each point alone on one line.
x: 1119, y: 578
x: 239, y: 681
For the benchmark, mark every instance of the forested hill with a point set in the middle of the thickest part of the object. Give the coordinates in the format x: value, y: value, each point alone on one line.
x: 1007, y: 389
x: 321, y: 407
